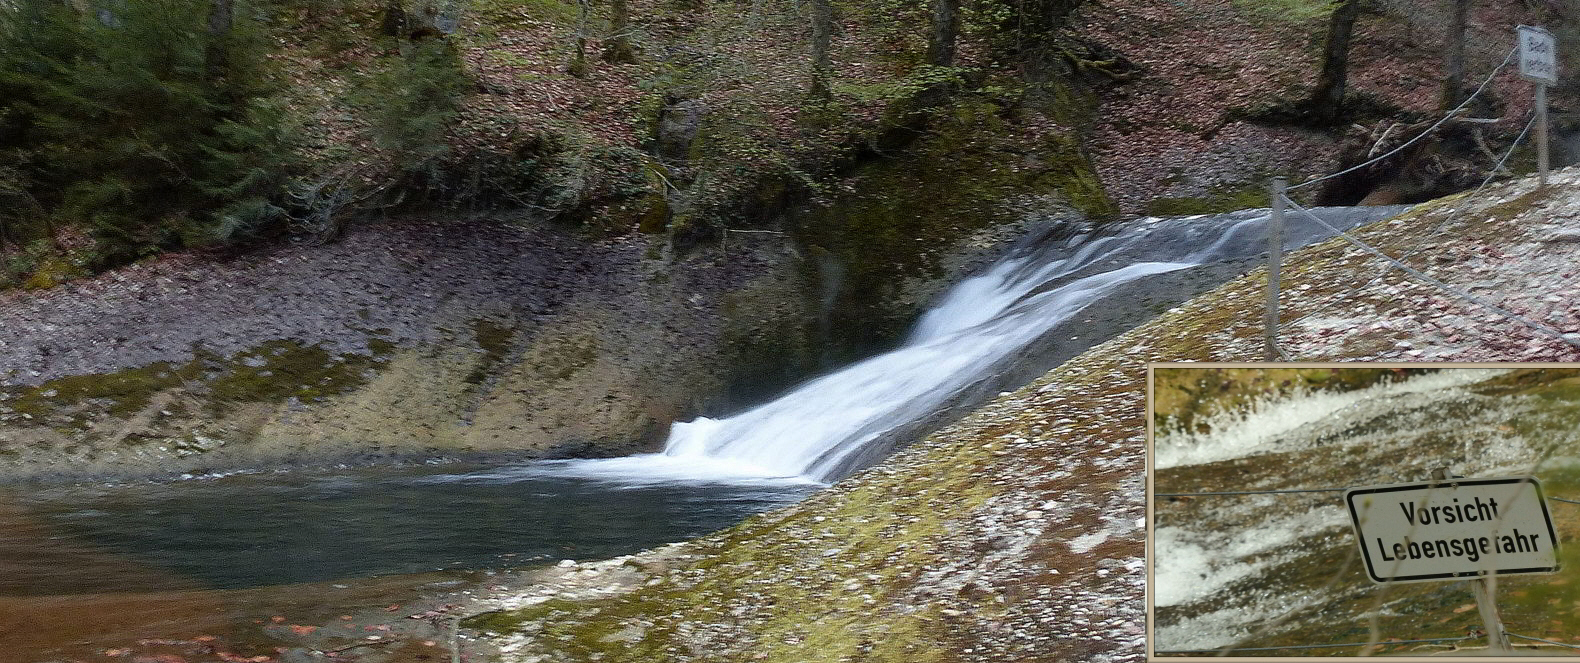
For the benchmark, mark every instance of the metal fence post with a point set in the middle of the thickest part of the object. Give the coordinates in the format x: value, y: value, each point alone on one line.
x: 1541, y: 134
x: 1275, y: 258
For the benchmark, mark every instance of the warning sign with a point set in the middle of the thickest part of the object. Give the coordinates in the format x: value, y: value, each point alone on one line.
x: 1453, y: 528
x: 1538, y: 55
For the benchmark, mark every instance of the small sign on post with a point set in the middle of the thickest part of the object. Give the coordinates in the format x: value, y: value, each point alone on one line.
x: 1453, y: 529
x: 1538, y: 55
x: 1539, y: 64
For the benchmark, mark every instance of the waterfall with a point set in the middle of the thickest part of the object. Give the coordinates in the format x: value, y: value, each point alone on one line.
x: 980, y: 329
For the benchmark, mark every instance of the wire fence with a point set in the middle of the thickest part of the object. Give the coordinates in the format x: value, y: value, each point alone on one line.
x: 1451, y: 290
x: 1370, y: 645
x: 1499, y: 636
x: 1451, y: 114
x: 1296, y: 490
x: 1343, y: 645
x: 1550, y: 642
x: 1390, y: 263
x: 1340, y: 645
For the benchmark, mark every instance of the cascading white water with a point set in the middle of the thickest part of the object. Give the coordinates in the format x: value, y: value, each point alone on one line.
x: 810, y: 430
x: 816, y: 430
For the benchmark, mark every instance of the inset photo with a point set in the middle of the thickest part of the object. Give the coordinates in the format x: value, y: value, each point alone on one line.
x: 1335, y: 510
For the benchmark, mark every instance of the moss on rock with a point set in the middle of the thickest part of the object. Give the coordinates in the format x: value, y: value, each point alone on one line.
x: 897, y: 218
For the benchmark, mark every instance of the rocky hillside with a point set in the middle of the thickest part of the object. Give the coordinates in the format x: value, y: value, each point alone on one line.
x: 1016, y: 534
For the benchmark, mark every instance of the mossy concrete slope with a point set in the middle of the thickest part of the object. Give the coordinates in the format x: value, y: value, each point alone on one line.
x: 1016, y: 534
x: 404, y: 339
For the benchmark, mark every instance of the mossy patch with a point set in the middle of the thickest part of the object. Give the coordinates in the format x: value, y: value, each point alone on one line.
x: 277, y: 370
x: 118, y: 394
x: 767, y: 339
x: 52, y: 272
x: 1216, y: 201
x: 568, y: 355
x: 897, y: 217
x: 494, y: 339
x: 813, y: 618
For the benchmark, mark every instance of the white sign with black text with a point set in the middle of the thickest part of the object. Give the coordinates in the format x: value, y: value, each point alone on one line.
x: 1538, y: 55
x: 1453, y: 529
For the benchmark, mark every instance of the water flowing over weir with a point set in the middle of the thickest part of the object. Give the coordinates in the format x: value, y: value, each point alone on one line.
x: 1051, y: 298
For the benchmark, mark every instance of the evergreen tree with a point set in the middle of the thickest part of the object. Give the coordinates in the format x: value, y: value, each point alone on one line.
x: 415, y: 101
x: 145, y: 125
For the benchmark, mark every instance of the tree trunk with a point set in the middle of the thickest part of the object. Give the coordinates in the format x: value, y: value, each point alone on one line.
x: 1327, y: 100
x: 394, y: 19
x: 946, y: 23
x: 619, y: 48
x: 1454, y: 55
x: 220, y: 17
x: 579, y: 67
x: 822, y: 39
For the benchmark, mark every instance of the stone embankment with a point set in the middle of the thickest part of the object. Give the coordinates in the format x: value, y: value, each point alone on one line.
x: 403, y: 338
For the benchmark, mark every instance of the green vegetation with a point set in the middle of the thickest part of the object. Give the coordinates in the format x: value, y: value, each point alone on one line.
x: 1216, y: 201
x: 1293, y: 11
x: 134, y: 127
x: 278, y: 370
x: 966, y: 173
x: 413, y: 102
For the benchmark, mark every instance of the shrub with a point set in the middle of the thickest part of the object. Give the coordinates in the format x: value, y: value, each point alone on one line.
x: 414, y: 101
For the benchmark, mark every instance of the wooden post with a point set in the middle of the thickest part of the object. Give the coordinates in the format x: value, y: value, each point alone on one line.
x: 1275, y: 258
x: 1485, y: 589
x: 1497, y: 640
x: 1541, y: 133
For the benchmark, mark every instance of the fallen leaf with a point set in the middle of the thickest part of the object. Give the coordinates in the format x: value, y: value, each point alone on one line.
x: 277, y: 619
x: 1465, y: 608
x: 303, y: 630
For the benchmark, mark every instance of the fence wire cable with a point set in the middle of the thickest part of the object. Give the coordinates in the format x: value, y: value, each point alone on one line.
x: 1526, y: 637
x: 1295, y: 490
x: 1335, y: 646
x: 1484, y: 181
x: 1435, y: 230
x: 1434, y: 282
x: 1449, y: 116
x: 1253, y: 492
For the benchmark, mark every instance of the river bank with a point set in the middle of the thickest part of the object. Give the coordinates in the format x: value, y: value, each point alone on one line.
x: 403, y: 340
x: 1016, y: 534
